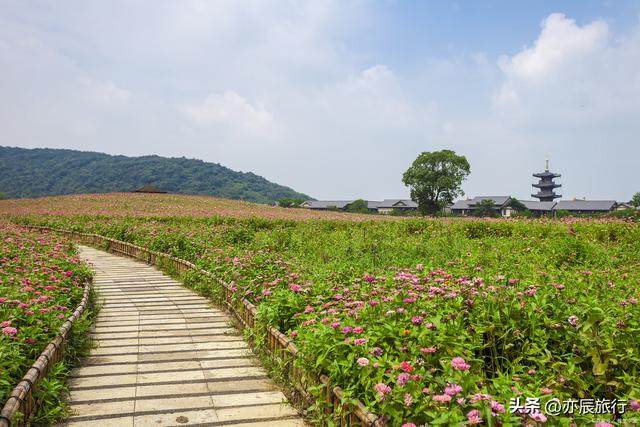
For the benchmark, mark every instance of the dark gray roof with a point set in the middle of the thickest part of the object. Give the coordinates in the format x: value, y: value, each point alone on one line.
x: 534, y: 205
x: 460, y: 204
x: 324, y: 204
x: 371, y: 204
x: 148, y: 188
x: 585, y: 205
x: 398, y: 203
x: 497, y: 200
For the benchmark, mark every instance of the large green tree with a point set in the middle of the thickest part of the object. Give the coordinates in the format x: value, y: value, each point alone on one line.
x: 485, y: 208
x: 358, y: 206
x: 635, y: 200
x: 435, y: 179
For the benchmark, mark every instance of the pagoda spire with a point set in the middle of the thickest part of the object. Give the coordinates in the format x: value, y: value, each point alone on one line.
x: 546, y: 184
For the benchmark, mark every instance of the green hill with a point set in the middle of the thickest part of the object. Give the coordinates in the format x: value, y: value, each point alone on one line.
x: 47, y: 172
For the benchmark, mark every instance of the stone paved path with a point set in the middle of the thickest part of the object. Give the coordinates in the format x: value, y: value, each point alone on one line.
x: 165, y: 356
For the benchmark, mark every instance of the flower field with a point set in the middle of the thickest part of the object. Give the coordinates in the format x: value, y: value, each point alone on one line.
x: 41, y: 283
x: 428, y: 322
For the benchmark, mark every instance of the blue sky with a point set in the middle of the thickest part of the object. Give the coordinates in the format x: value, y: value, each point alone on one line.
x: 335, y: 98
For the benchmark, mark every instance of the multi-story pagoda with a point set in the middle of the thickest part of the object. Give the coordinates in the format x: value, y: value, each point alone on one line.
x: 546, y: 185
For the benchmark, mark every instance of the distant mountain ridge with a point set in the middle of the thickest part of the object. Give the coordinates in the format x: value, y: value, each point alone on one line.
x: 49, y: 172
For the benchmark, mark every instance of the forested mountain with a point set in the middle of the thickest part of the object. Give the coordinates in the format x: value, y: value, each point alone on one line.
x: 46, y: 172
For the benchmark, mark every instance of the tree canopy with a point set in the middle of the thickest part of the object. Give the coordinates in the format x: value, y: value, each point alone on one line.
x: 435, y: 179
x: 517, y: 205
x: 358, y: 206
x: 635, y: 200
x: 485, y: 208
x: 49, y: 172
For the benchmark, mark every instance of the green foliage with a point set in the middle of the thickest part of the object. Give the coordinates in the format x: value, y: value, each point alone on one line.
x: 635, y: 200
x: 3, y: 196
x: 499, y: 294
x: 626, y: 213
x: 517, y: 205
x: 435, y: 179
x: 486, y: 208
x: 358, y: 206
x: 41, y: 283
x: 561, y: 213
x: 46, y: 172
x: 290, y: 202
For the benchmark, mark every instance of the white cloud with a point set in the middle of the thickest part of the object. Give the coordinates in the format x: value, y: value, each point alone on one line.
x: 561, y: 41
x: 228, y: 108
x: 276, y: 88
x: 105, y: 93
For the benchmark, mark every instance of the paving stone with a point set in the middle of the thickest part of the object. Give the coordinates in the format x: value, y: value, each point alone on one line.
x: 102, y: 422
x: 184, y: 417
x: 98, y: 408
x: 165, y: 356
x: 255, y: 412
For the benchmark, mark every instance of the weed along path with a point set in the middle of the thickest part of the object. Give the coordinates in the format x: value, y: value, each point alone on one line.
x: 164, y: 356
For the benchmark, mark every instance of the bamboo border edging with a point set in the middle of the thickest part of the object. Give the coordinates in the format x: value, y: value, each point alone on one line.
x: 278, y: 344
x: 21, y: 398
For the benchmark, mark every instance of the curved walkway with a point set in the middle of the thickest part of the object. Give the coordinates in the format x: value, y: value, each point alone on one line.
x: 165, y: 356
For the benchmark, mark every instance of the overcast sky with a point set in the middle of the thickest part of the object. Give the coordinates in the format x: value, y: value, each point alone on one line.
x: 335, y: 98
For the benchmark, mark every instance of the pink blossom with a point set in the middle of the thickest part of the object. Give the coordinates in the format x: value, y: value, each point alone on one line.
x: 634, y: 405
x: 474, y: 417
x: 538, y: 416
x: 546, y: 391
x: 460, y: 364
x: 362, y: 361
x: 408, y: 399
x: 382, y: 390
x: 347, y: 329
x: 5, y: 323
x: 603, y: 424
x: 478, y: 397
x: 496, y: 407
x: 441, y: 398
x: 335, y: 325
x: 573, y: 321
x: 293, y: 333
x: 408, y: 425
x: 416, y: 320
x: 295, y: 287
x: 360, y: 341
x: 452, y: 389
x: 10, y: 331
x: 428, y: 350
x: 403, y: 378
x: 358, y: 330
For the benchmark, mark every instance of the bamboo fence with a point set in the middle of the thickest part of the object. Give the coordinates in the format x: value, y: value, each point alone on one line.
x: 21, y: 404
x: 279, y: 346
